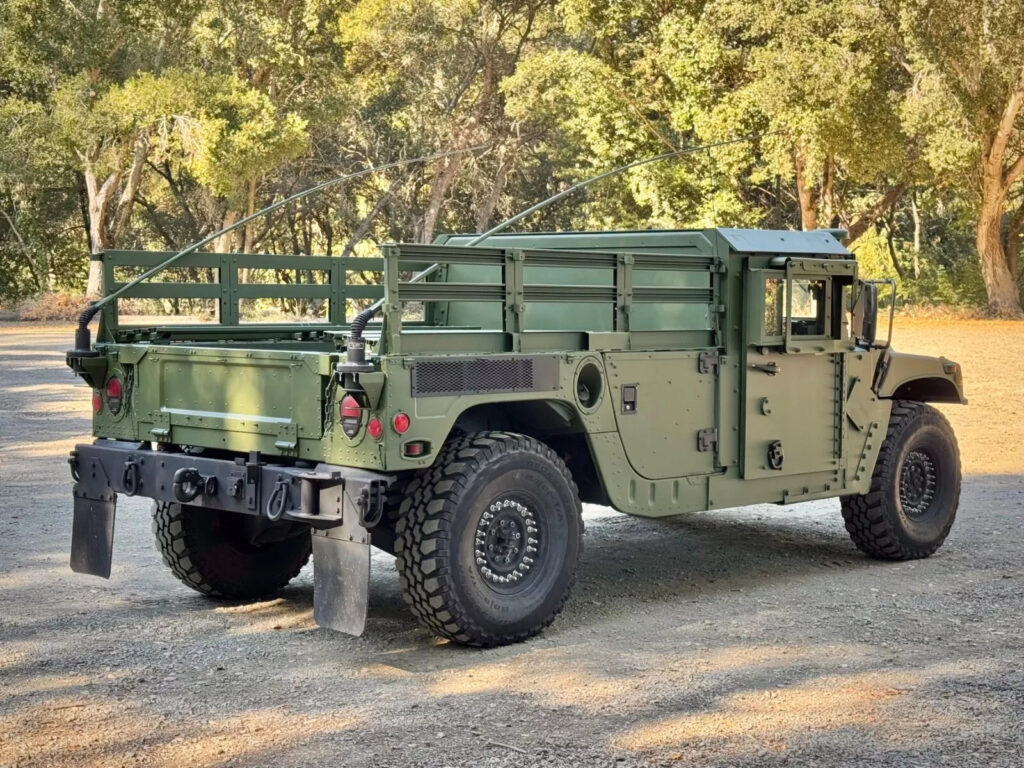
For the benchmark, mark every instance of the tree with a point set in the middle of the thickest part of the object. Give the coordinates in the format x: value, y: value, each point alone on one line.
x: 969, y: 93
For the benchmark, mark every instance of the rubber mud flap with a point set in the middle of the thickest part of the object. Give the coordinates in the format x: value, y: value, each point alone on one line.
x: 92, y: 535
x: 341, y: 579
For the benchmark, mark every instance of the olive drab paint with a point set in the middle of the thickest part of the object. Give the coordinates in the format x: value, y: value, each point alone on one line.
x: 672, y: 371
x: 701, y: 392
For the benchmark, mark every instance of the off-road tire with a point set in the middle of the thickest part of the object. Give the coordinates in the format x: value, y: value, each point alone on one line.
x: 439, y: 530
x: 210, y: 552
x: 878, y: 521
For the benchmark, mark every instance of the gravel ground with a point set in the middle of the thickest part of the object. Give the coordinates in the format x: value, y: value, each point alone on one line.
x: 747, y: 637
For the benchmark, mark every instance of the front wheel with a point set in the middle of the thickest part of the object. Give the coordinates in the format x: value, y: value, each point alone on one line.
x: 488, y: 539
x: 915, y: 489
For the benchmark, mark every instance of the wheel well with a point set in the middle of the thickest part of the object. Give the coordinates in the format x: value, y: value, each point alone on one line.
x: 933, y: 389
x: 554, y: 423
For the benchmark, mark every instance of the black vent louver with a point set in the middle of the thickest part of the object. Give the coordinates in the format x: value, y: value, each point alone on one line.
x: 481, y: 375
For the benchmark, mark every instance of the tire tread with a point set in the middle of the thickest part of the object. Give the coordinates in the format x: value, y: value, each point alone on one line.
x: 423, y: 536
x: 185, y: 559
x: 865, y: 515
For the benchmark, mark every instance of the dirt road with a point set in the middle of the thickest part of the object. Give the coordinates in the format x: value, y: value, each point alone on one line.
x: 741, y: 638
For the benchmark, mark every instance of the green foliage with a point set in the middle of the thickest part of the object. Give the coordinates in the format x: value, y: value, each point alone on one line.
x: 189, y: 114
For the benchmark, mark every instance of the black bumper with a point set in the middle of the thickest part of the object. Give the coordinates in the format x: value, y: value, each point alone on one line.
x: 319, y: 496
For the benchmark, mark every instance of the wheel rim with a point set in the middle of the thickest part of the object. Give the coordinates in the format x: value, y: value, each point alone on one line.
x: 919, y: 482
x: 507, y: 544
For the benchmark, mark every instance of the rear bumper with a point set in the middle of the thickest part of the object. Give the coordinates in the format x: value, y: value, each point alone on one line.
x: 320, y: 496
x: 340, y: 504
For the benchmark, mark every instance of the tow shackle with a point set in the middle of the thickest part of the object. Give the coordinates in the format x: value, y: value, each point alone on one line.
x: 188, y: 483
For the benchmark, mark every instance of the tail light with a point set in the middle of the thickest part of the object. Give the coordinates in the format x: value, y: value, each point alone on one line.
x: 401, y: 423
x: 351, y: 415
x: 97, y: 401
x: 375, y: 428
x: 114, y: 396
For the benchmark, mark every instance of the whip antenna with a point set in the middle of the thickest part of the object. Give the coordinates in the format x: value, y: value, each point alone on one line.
x: 82, y: 340
x: 621, y: 169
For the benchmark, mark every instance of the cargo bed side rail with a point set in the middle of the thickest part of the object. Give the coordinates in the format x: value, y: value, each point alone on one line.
x: 619, y: 291
x: 221, y: 277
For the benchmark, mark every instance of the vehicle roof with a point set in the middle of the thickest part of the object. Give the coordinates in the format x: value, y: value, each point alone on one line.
x: 820, y: 242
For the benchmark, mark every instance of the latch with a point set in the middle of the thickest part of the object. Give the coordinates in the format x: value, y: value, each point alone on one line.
x: 707, y: 439
x: 708, y: 361
x: 775, y: 455
x: 771, y: 368
x: 161, y: 424
x: 287, y: 437
x: 252, y: 481
x: 629, y: 398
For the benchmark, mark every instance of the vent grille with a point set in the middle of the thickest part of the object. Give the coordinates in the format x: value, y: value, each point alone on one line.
x: 482, y: 375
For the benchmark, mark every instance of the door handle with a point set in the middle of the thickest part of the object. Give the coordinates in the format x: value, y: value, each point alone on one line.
x: 770, y: 368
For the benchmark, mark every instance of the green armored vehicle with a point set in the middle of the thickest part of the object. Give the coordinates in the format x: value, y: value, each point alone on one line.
x: 501, y: 385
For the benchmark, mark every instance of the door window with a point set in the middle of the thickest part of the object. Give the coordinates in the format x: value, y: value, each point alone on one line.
x: 808, y: 308
x: 774, y: 306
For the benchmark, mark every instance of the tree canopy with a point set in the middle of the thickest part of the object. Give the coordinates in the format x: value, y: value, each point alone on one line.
x: 150, y: 125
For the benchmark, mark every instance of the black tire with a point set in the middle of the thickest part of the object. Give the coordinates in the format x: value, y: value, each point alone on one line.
x: 457, y: 531
x: 212, y: 552
x: 915, y: 488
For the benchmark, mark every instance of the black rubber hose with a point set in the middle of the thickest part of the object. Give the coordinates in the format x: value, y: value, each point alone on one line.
x: 356, y: 347
x: 83, y: 339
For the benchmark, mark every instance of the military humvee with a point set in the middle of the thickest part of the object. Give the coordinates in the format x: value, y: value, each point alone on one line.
x: 656, y: 372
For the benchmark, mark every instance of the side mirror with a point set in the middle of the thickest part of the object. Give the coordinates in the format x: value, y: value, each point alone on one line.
x: 865, y: 315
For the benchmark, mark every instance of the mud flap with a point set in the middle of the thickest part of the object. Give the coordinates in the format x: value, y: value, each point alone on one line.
x: 341, y: 578
x: 92, y: 534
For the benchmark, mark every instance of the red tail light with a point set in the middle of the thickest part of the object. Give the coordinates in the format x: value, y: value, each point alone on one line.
x: 400, y: 423
x: 351, y: 415
x: 375, y: 428
x: 114, y: 396
x: 350, y: 408
x: 97, y: 401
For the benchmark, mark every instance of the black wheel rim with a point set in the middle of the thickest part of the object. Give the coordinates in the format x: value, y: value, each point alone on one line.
x: 507, y: 544
x: 918, y: 483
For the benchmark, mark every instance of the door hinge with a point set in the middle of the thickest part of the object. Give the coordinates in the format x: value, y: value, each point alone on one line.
x: 707, y: 439
x: 708, y: 361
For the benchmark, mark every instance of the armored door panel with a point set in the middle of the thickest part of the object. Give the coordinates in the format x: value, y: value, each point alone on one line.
x: 662, y: 404
x: 790, y: 414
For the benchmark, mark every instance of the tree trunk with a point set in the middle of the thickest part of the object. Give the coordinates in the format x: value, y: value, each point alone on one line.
x: 999, y: 281
x: 917, y: 235
x: 489, y: 202
x: 996, y: 181
x: 828, y: 192
x: 439, y: 188
x: 99, y: 196
x: 806, y: 194
x: 247, y: 241
x: 223, y: 243
x: 872, y: 214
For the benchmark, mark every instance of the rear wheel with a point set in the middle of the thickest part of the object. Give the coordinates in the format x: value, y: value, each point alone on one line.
x: 489, y: 539
x: 915, y: 488
x: 213, y: 552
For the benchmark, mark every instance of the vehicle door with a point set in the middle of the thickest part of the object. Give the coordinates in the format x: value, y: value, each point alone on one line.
x: 796, y: 340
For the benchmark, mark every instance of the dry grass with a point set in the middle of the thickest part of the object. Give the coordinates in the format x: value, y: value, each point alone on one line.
x: 991, y: 427
x: 52, y: 307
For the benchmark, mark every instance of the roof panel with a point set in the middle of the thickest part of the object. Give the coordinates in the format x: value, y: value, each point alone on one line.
x: 820, y: 241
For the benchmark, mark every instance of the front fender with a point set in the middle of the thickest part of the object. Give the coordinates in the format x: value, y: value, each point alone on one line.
x: 921, y: 378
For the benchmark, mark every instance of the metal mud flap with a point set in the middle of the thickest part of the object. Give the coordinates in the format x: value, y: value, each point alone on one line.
x: 92, y: 533
x: 341, y: 567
